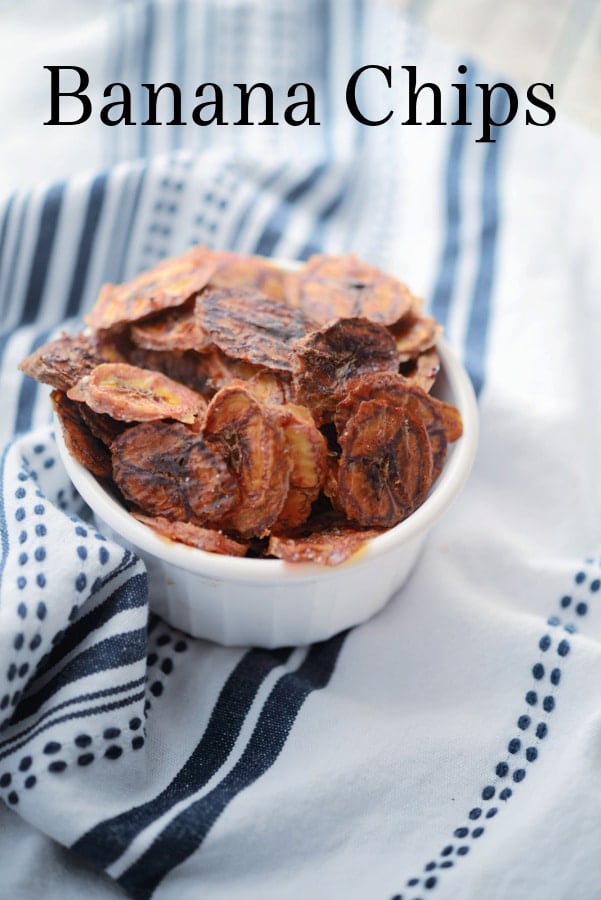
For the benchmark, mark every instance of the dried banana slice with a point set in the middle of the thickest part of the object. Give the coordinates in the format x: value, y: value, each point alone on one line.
x: 63, y: 361
x: 104, y: 427
x: 451, y: 420
x: 307, y: 451
x: 255, y: 449
x: 186, y: 366
x: 414, y: 334
x: 330, y: 482
x: 131, y: 394
x: 326, y: 360
x: 168, y: 284
x: 403, y: 394
x: 165, y: 469
x: 386, y: 464
x: 222, y: 370
x: 249, y: 326
x: 273, y: 388
x: 207, y: 539
x: 80, y: 442
x: 342, y: 287
x: 172, y: 329
x: 327, y: 540
x: 235, y: 270
x: 423, y: 370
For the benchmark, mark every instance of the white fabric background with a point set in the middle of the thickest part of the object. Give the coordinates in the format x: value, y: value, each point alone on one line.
x: 385, y: 763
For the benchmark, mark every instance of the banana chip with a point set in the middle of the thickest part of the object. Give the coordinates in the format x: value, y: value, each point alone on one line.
x: 80, y: 442
x: 343, y: 287
x: 271, y: 387
x: 63, y: 361
x: 131, y: 394
x: 172, y: 329
x: 386, y: 464
x: 326, y: 360
x: 327, y: 540
x: 168, y: 284
x: 208, y: 539
x: 403, y: 394
x: 235, y: 270
x: 102, y: 426
x: 414, y: 334
x: 423, y: 370
x: 249, y: 326
x: 307, y: 451
x: 195, y: 370
x: 166, y: 469
x: 255, y: 450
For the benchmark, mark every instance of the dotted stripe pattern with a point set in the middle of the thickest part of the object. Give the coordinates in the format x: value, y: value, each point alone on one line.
x: 51, y: 759
x: 32, y: 538
x: 533, y: 726
x: 209, y: 219
x: 44, y: 642
x: 164, y: 211
x: 55, y: 758
x: 164, y: 650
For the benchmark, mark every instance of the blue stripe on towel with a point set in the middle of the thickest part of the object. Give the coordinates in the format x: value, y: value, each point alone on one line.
x: 130, y: 595
x: 7, y: 299
x: 28, y: 392
x: 42, y: 254
x: 278, y: 222
x: 110, y: 653
x: 84, y: 713
x: 107, y: 841
x: 86, y: 243
x: 449, y: 261
x: 4, y: 229
x: 187, y: 831
x: 16, y: 741
x: 479, y: 319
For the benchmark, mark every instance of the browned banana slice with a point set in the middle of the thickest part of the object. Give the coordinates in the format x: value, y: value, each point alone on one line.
x: 186, y: 366
x: 172, y: 329
x: 327, y: 540
x: 130, y: 394
x: 451, y: 420
x: 222, y: 370
x: 307, y: 451
x: 63, y: 361
x: 342, y: 287
x: 80, y: 442
x: 330, y: 482
x: 255, y: 450
x: 204, y: 372
x: 414, y: 334
x: 104, y: 427
x: 165, y: 469
x: 235, y: 270
x: 249, y: 326
x: 208, y: 539
x: 397, y: 391
x: 326, y: 360
x: 271, y: 387
x: 423, y: 370
x: 168, y: 284
x: 386, y: 464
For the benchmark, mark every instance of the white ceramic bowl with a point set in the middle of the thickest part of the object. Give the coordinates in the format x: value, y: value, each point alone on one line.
x: 271, y: 603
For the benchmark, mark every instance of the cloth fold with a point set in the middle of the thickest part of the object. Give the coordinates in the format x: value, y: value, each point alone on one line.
x: 449, y: 746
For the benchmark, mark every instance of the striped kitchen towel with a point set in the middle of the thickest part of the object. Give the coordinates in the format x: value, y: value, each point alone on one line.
x: 450, y: 746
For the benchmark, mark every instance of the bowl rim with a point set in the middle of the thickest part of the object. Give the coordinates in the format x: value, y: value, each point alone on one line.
x: 268, y: 571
